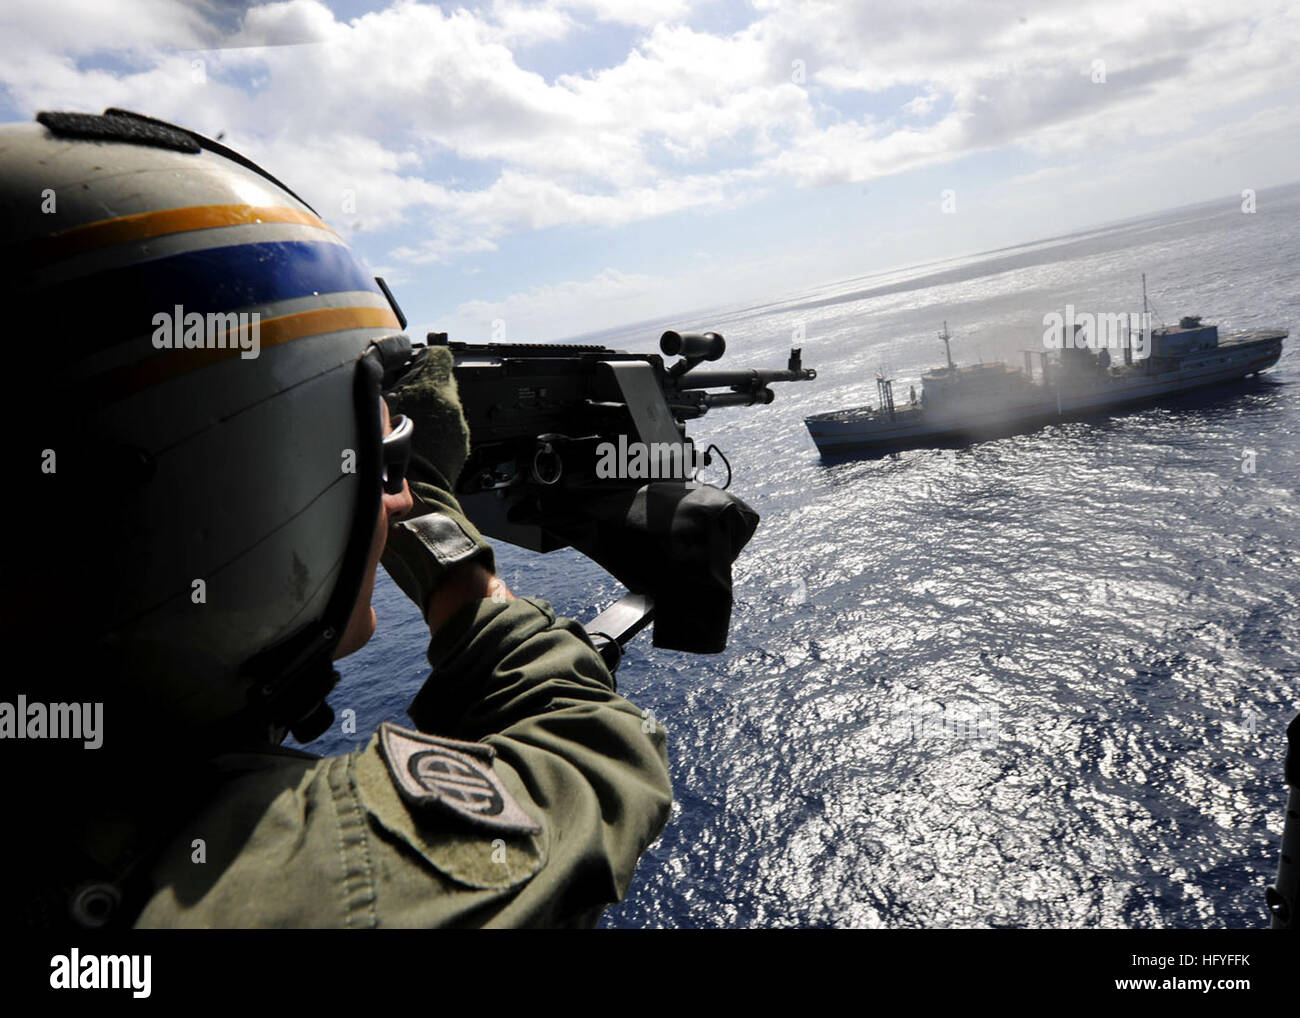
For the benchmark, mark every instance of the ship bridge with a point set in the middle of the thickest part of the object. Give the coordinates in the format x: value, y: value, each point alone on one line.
x: 1187, y: 337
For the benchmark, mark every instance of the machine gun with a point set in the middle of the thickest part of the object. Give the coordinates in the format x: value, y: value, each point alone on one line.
x: 585, y: 446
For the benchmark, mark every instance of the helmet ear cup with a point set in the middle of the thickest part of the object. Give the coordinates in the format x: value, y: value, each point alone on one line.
x: 291, y: 680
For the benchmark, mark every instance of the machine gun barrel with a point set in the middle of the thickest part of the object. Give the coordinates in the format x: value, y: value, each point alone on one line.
x: 749, y: 386
x: 744, y: 379
x: 749, y: 379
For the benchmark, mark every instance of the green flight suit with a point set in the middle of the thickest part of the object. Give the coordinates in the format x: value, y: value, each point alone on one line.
x: 297, y: 841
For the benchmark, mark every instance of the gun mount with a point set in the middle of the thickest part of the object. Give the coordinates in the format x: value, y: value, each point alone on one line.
x: 586, y: 446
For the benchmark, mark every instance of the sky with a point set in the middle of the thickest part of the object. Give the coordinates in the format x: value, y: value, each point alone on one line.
x: 537, y: 171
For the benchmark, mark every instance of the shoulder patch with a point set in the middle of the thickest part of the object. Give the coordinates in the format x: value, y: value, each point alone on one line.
x: 455, y: 777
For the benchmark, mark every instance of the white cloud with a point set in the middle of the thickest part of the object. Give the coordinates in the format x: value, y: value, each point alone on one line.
x: 356, y: 183
x: 428, y: 119
x: 75, y: 27
x: 645, y: 13
x: 921, y: 105
x: 521, y: 24
x: 1022, y: 76
x: 289, y: 23
x: 562, y: 309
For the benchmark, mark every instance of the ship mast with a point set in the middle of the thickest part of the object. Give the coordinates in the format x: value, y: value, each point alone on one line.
x: 948, y: 349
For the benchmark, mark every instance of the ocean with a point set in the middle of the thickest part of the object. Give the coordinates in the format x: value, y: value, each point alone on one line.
x: 1040, y: 681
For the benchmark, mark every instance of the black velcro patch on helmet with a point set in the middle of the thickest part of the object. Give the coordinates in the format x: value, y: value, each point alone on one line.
x: 132, y: 130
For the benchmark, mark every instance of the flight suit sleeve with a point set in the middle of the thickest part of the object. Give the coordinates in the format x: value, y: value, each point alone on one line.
x: 581, y: 761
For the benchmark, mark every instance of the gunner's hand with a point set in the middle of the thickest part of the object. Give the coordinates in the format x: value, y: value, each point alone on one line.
x: 429, y: 397
x: 461, y: 585
x: 436, y: 537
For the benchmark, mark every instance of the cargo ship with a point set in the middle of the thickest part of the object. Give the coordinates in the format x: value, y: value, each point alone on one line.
x: 979, y: 401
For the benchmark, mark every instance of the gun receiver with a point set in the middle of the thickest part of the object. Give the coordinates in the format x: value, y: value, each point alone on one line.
x: 547, y: 421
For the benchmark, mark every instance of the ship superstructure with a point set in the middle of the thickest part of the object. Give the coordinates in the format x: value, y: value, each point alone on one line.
x: 971, y: 402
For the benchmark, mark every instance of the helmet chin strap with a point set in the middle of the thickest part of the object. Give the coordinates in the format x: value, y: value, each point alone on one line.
x: 290, y: 680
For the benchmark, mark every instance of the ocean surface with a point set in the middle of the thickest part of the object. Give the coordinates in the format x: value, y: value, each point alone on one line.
x: 1040, y: 682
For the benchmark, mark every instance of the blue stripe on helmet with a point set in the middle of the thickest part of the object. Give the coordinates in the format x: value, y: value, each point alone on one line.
x: 95, y: 312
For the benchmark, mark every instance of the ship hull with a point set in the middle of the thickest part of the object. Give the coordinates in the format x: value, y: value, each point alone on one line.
x: 859, y: 430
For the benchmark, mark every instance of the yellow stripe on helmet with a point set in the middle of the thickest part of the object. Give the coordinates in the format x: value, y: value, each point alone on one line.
x: 144, y: 225
x: 163, y: 365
